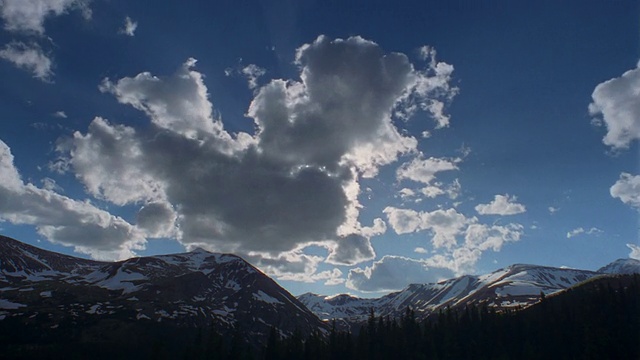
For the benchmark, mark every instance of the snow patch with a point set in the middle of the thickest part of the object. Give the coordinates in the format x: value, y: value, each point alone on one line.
x: 262, y: 296
x: 8, y: 305
x: 93, y: 309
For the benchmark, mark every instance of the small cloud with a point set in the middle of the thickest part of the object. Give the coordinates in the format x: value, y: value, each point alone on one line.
x: 51, y: 185
x: 253, y: 73
x: 60, y: 114
x: 420, y: 250
x: 594, y: 231
x: 580, y: 230
x: 424, y: 170
x: 129, y: 27
x: 575, y: 232
x: 553, y: 210
x: 501, y: 205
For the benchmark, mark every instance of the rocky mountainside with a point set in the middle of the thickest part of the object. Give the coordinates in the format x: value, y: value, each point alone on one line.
x: 512, y: 287
x: 46, y: 290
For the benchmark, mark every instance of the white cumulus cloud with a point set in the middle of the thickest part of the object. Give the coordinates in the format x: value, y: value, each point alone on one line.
x: 617, y: 101
x: 445, y: 225
x: 62, y: 220
x: 501, y: 205
x: 458, y: 240
x: 627, y: 189
x: 425, y: 170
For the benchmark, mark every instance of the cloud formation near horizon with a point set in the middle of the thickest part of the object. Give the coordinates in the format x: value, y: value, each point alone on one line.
x: 63, y: 220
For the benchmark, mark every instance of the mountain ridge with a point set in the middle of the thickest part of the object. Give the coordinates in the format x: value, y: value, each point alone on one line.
x: 188, y: 290
x: 198, y: 288
x: 515, y: 286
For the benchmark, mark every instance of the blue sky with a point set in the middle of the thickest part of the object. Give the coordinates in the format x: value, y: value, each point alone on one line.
x: 338, y: 147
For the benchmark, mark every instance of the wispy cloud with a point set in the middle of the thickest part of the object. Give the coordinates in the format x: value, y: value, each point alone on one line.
x: 29, y: 57
x: 580, y: 230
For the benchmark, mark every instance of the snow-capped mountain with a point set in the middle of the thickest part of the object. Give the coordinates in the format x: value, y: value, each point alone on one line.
x: 193, y: 289
x: 512, y: 287
x: 622, y: 266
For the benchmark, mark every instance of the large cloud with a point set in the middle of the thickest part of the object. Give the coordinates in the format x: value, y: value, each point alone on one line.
x: 292, y: 183
x: 63, y: 220
x: 618, y: 102
x: 627, y: 189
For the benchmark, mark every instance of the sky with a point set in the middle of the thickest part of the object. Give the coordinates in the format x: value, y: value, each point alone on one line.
x: 340, y: 147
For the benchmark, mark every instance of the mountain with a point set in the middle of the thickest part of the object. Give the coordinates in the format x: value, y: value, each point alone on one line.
x: 45, y: 291
x: 515, y: 286
x: 622, y: 266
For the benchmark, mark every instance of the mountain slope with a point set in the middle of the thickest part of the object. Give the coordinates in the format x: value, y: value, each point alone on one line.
x: 622, y: 266
x: 196, y: 289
